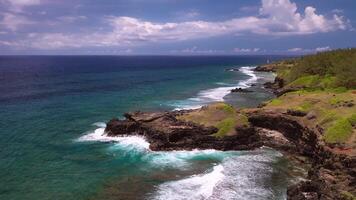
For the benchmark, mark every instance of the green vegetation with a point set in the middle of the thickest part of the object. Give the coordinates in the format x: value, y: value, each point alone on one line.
x: 340, y: 131
x: 352, y: 120
x: 225, y: 126
x: 347, y: 195
x: 329, y: 107
x: 275, y: 102
x: 325, y: 84
x: 323, y: 70
x: 220, y: 115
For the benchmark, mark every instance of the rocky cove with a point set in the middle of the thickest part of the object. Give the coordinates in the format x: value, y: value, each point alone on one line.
x: 331, y: 175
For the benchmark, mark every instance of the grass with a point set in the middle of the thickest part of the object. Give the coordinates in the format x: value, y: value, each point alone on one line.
x: 352, y: 120
x: 337, y: 120
x: 340, y: 131
x: 315, y: 82
x: 306, y: 81
x: 304, y: 107
x: 275, y: 102
x: 225, y: 126
x: 220, y: 115
x: 348, y: 196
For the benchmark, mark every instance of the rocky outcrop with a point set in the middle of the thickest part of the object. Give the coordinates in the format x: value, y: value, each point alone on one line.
x: 165, y: 132
x: 241, y: 90
x: 330, y: 174
x: 266, y: 68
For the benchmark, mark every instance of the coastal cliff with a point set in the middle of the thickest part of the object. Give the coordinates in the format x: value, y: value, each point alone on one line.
x: 312, y: 121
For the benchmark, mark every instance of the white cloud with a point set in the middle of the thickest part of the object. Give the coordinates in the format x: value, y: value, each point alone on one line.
x: 319, y: 49
x: 196, y: 50
x: 301, y: 50
x: 277, y: 17
x: 13, y: 21
x: 249, y: 8
x: 18, y: 5
x: 247, y: 50
x: 338, y: 11
x: 297, y: 49
x: 71, y: 19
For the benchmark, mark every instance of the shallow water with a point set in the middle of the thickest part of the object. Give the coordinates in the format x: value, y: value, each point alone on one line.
x: 52, y: 117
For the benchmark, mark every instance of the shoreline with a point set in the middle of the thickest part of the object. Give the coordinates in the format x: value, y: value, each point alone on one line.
x: 285, y: 132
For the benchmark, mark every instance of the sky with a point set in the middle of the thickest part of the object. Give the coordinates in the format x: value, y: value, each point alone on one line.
x: 175, y: 27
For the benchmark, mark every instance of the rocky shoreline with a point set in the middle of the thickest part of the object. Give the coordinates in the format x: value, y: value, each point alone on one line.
x: 330, y: 174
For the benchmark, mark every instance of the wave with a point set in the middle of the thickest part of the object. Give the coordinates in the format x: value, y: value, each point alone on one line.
x: 125, y: 141
x: 235, y: 174
x: 195, y: 187
x: 236, y: 177
x: 216, y: 94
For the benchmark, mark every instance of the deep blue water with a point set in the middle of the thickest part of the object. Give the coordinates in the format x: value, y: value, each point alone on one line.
x: 49, y: 150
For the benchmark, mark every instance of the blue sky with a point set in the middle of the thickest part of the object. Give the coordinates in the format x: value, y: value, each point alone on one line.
x: 182, y: 27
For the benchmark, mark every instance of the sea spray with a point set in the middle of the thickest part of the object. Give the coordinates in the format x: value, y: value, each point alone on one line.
x: 205, y: 97
x: 195, y: 187
x: 126, y: 141
x: 239, y: 177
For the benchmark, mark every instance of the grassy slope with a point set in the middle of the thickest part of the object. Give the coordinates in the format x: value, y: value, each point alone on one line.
x: 331, y: 109
x: 327, y: 88
x: 326, y: 83
x: 220, y: 115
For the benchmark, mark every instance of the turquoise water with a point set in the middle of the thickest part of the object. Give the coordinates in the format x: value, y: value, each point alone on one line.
x: 49, y: 107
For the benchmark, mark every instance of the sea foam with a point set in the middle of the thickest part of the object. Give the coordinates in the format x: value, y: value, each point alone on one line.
x: 205, y: 97
x: 195, y: 187
x: 237, y: 177
x: 99, y: 135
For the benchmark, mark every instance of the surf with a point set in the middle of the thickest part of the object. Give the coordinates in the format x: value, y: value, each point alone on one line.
x: 207, y: 96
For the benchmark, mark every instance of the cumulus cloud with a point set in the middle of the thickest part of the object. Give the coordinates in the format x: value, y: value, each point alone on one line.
x: 13, y: 22
x: 276, y: 17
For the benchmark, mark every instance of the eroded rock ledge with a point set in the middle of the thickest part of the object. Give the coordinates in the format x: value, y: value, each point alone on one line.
x: 329, y: 176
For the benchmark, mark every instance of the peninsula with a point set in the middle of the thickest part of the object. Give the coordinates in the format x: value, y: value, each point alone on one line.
x: 312, y: 120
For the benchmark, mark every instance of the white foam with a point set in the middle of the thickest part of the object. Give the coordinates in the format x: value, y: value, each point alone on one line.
x: 195, y: 187
x: 179, y: 159
x: 237, y: 178
x: 99, y: 135
x: 216, y: 94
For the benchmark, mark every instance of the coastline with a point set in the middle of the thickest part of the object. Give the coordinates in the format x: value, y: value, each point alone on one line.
x: 283, y: 131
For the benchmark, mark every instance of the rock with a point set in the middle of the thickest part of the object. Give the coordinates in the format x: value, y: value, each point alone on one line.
x: 277, y: 84
x: 241, y: 90
x: 330, y: 174
x: 165, y: 132
x: 297, y: 113
x: 305, y: 190
x: 311, y: 115
x: 266, y: 68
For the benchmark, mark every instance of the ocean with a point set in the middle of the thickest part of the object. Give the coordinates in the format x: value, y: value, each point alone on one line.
x: 53, y: 111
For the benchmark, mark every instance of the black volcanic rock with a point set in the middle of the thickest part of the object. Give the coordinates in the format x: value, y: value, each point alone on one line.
x: 266, y: 68
x: 165, y: 132
x: 329, y: 173
x: 240, y: 90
